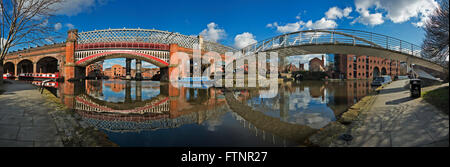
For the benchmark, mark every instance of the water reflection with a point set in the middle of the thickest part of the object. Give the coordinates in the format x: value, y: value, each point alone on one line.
x: 149, y: 113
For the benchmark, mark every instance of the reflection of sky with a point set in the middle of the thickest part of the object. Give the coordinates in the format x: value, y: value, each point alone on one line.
x: 149, y: 91
x: 299, y: 108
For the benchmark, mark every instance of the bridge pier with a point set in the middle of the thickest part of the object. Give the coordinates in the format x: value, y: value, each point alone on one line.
x: 69, y: 67
x: 138, y: 70
x: 128, y: 69
x: 164, y: 74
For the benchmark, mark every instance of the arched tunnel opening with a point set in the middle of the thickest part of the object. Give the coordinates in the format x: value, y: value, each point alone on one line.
x: 47, y: 65
x: 383, y: 71
x: 25, y: 66
x: 9, y: 68
x: 376, y: 72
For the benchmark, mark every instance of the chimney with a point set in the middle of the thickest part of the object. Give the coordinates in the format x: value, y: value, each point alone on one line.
x: 323, y: 61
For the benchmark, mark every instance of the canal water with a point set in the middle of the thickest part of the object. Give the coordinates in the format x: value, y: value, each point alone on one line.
x: 150, y: 113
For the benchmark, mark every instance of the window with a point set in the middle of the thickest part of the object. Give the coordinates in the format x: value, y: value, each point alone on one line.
x: 350, y: 74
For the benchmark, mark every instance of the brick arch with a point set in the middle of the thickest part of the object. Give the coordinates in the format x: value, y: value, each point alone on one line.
x: 47, y: 68
x: 7, y: 67
x: 39, y: 58
x: 121, y: 54
x: 22, y: 69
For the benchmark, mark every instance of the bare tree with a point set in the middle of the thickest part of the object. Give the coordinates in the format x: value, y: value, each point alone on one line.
x: 435, y: 45
x: 25, y: 23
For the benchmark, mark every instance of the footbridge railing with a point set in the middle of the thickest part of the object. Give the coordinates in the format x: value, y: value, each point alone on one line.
x: 148, y: 36
x: 334, y: 36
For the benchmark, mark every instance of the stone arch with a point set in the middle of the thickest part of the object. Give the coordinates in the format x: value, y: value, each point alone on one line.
x: 9, y: 67
x: 25, y: 66
x: 48, y: 64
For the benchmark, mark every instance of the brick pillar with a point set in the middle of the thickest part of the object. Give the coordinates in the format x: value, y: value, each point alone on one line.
x: 69, y: 65
x: 173, y: 48
x: 34, y: 67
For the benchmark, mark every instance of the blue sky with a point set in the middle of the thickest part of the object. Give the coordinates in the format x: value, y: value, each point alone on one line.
x: 237, y: 23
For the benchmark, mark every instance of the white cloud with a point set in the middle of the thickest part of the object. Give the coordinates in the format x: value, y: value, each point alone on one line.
x: 213, y: 33
x: 397, y: 11
x: 321, y: 24
x: 367, y: 18
x: 74, y: 7
x: 58, y: 26
x: 70, y: 26
x: 324, y: 23
x: 337, y: 13
x: 243, y: 40
x: 290, y: 27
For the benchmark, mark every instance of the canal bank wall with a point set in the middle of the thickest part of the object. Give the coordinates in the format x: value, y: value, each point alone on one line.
x: 388, y: 119
x: 31, y: 119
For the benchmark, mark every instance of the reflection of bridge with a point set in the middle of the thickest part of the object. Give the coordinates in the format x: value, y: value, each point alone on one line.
x: 293, y: 132
x: 158, y: 105
x: 133, y: 123
x: 172, y: 108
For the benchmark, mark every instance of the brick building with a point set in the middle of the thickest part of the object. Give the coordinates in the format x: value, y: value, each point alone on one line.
x: 95, y: 69
x: 118, y: 71
x: 316, y: 64
x: 364, y: 67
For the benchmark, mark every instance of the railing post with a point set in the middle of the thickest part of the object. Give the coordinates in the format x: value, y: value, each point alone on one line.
x: 286, y: 40
x: 401, y: 46
x: 371, y: 38
x: 387, y: 42
x: 332, y: 37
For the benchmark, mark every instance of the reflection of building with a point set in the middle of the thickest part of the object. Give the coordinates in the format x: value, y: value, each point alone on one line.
x: 364, y: 67
x: 115, y: 86
x: 345, y: 94
x: 94, y: 88
x: 316, y: 64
